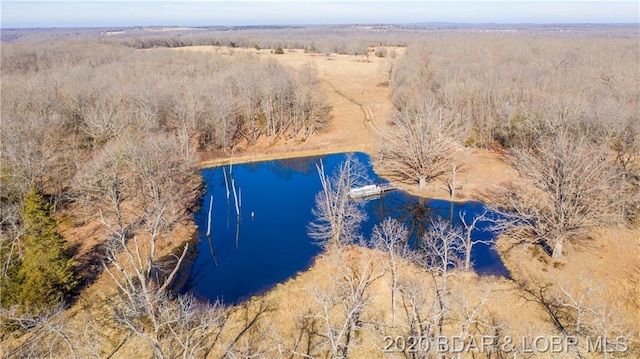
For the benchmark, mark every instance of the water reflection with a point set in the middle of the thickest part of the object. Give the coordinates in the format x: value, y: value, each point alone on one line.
x: 245, y: 257
x: 414, y: 214
x: 285, y: 169
x: 418, y: 214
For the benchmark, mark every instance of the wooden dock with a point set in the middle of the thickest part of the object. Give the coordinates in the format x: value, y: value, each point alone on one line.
x: 371, y: 190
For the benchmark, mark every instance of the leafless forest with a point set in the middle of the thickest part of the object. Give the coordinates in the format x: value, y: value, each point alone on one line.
x: 103, y: 130
x: 568, y: 117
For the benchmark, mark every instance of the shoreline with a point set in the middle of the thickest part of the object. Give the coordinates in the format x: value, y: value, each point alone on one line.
x: 263, y: 157
x: 432, y: 190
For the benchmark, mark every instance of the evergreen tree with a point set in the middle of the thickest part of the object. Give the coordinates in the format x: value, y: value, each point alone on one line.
x: 45, y: 274
x: 8, y: 279
x: 11, y: 196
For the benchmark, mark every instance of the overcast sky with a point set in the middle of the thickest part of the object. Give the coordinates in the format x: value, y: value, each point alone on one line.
x: 76, y: 13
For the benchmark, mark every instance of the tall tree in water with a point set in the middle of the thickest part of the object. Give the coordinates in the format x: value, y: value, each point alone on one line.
x: 337, y: 217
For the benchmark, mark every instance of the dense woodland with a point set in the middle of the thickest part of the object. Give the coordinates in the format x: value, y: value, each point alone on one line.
x: 106, y: 130
x: 567, y: 110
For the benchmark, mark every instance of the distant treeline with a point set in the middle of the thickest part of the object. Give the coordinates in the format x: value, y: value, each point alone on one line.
x: 331, y: 44
x: 375, y: 34
x: 510, y: 89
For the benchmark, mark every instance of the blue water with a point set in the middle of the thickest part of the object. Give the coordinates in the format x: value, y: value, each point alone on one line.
x: 268, y: 243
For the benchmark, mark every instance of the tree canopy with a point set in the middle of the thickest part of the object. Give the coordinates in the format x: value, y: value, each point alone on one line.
x: 45, y: 274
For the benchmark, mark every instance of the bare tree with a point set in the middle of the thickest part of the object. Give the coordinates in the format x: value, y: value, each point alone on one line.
x: 565, y: 194
x: 418, y: 145
x: 470, y: 315
x: 342, y: 306
x: 225, y: 130
x: 386, y: 69
x: 30, y: 148
x: 442, y: 247
x: 105, y: 118
x: 424, y: 312
x: 430, y: 313
x: 578, y: 312
x: 583, y: 314
x: 391, y: 237
x: 179, y: 328
x: 194, y: 327
x: 626, y: 145
x: 452, y: 184
x: 413, y: 78
x: 188, y: 114
x: 11, y: 229
x: 140, y: 188
x: 249, y: 106
x: 310, y: 113
x: 337, y: 216
x: 48, y: 332
x: 467, y: 242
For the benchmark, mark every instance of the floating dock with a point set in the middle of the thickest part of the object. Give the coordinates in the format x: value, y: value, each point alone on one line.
x: 371, y: 190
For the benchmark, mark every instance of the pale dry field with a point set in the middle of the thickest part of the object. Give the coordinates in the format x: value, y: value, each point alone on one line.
x: 606, y: 267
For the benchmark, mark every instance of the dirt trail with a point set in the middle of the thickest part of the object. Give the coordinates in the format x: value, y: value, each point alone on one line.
x: 366, y: 110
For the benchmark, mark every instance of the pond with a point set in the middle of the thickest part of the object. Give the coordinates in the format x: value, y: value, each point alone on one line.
x: 268, y: 243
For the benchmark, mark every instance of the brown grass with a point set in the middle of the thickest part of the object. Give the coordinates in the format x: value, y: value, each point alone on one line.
x: 607, y: 264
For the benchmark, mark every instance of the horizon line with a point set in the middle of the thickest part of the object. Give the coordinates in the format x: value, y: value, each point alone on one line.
x: 450, y: 23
